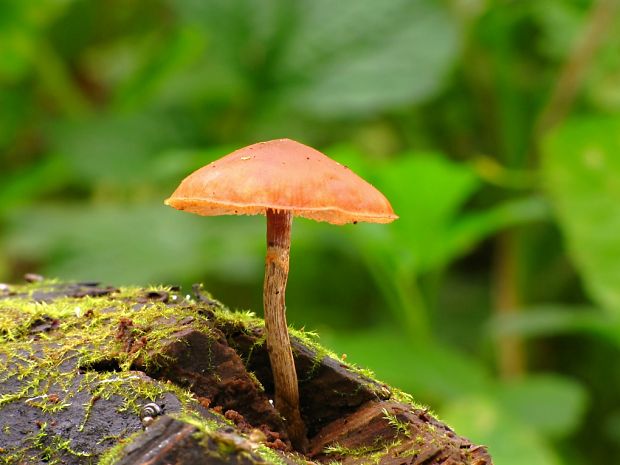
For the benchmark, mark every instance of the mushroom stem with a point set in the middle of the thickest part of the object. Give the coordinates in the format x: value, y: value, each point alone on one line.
x: 278, y: 343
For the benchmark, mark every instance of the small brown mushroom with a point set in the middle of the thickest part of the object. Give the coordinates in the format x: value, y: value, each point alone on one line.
x: 281, y: 179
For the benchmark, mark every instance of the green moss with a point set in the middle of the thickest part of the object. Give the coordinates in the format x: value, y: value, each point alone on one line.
x: 371, y: 454
x: 38, y: 439
x: 10, y: 458
x: 59, y: 444
x: 405, y: 398
x: 400, y: 427
x: 205, y: 426
x: 342, y: 451
x: 277, y: 458
x: 211, y: 430
x: 411, y: 452
x: 112, y: 455
x: 106, y: 329
x: 242, y: 320
x: 90, y: 331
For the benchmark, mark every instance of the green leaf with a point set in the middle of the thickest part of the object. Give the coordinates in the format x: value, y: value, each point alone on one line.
x: 116, y: 149
x: 23, y: 186
x: 429, y: 191
x: 510, y: 441
x: 433, y: 372
x: 549, y: 403
x: 22, y: 25
x: 331, y: 59
x: 472, y: 227
x: 181, y: 49
x: 581, y: 169
x: 551, y: 320
x: 143, y: 243
x: 560, y: 22
x: 362, y: 56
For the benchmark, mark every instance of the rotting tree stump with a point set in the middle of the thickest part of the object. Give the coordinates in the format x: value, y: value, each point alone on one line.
x: 80, y: 361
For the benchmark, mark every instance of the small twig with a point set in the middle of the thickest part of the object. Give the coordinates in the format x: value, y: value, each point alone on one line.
x: 574, y: 70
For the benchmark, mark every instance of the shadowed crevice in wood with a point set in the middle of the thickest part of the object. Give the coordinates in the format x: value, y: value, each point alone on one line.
x: 328, y: 388
x: 208, y: 367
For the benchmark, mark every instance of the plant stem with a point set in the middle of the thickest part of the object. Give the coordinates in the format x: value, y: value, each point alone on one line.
x: 278, y: 341
x: 511, y: 353
x: 400, y: 288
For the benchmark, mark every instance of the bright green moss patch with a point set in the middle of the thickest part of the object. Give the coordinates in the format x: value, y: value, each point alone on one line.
x: 368, y: 455
x: 92, y: 330
x: 70, y: 354
x: 114, y: 453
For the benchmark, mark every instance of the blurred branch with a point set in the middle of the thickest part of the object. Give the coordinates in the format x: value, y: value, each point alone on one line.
x: 507, y: 299
x: 574, y: 70
x: 553, y: 320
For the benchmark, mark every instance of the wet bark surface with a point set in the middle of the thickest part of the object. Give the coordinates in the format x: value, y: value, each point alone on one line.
x: 207, y: 373
x: 170, y: 441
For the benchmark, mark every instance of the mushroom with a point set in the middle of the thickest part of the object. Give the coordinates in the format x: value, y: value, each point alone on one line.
x: 281, y: 179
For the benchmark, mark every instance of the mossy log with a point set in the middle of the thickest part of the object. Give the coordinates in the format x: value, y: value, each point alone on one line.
x: 94, y: 374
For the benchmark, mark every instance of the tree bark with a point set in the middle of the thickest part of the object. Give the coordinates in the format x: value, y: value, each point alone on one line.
x: 79, y: 363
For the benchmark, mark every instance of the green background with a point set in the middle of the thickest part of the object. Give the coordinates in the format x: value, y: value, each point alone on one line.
x: 492, y: 126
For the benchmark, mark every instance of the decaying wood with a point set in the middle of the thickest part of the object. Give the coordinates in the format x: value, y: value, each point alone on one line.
x: 410, y: 435
x: 210, y: 376
x: 170, y: 441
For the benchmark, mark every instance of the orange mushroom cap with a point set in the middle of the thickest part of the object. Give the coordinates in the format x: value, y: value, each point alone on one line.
x: 281, y: 175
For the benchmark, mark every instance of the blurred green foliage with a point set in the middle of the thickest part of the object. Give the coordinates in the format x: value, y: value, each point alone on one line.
x: 492, y: 126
